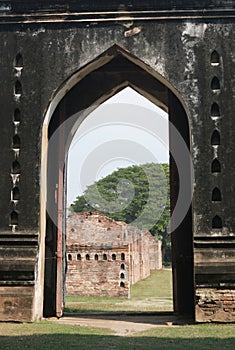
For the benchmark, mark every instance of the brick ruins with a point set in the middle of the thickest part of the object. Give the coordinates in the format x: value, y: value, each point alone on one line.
x: 60, y: 60
x: 105, y: 257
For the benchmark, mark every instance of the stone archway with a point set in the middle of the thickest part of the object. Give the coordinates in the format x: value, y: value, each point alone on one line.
x: 80, y: 94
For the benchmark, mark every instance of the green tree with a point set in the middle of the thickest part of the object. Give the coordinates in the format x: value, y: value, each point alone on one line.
x: 137, y: 195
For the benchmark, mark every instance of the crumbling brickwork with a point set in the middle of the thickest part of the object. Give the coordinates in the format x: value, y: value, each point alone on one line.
x: 105, y: 257
x: 217, y: 305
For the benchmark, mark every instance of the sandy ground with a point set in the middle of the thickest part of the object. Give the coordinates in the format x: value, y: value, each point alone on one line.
x: 121, y: 325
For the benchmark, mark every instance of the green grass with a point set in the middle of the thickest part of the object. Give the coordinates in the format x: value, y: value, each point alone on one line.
x: 157, y: 285
x: 52, y: 336
x: 151, y: 294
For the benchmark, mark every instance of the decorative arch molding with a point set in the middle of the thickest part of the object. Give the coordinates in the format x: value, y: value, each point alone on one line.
x: 142, y: 78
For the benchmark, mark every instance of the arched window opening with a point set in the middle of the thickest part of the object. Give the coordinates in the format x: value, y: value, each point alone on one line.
x: 15, y: 194
x: 215, y: 110
x: 96, y: 257
x: 122, y: 275
x: 215, y: 166
x: 79, y: 257
x: 16, y: 142
x: 216, y: 195
x: 215, y: 84
x: 19, y: 61
x: 215, y: 138
x: 215, y: 58
x: 87, y: 257
x: 15, y: 169
x: 113, y: 256
x: 70, y: 257
x: 14, y: 218
x: 169, y: 102
x: 216, y: 222
x: 122, y: 256
x: 18, y: 88
x: 17, y: 116
x: 122, y: 284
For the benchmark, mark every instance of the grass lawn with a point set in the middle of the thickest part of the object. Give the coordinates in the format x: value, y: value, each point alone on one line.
x: 151, y: 294
x: 53, y: 336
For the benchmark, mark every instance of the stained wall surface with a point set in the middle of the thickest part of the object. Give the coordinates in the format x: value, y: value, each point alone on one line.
x: 191, y: 45
x: 105, y: 257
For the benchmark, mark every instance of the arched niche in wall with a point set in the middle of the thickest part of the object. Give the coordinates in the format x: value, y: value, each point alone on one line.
x: 215, y: 138
x: 215, y: 58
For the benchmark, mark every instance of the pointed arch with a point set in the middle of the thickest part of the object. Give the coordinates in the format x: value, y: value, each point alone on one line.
x: 215, y: 84
x: 15, y: 168
x: 215, y: 138
x: 18, y: 88
x: 16, y: 142
x: 215, y: 166
x: 215, y: 58
x: 216, y: 195
x: 95, y: 83
x: 18, y: 60
x: 14, y: 218
x: 216, y: 222
x: 215, y: 110
x: 15, y: 194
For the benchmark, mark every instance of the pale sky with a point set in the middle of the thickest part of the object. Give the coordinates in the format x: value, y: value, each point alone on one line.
x: 125, y: 130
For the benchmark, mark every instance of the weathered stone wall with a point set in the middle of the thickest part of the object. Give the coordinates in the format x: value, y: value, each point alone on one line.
x: 215, y: 305
x: 56, y: 40
x: 129, y: 255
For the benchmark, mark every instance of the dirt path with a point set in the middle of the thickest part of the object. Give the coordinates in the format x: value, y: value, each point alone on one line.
x: 124, y: 325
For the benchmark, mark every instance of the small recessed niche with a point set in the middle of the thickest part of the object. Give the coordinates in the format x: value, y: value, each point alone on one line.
x: 113, y: 256
x: 122, y: 256
x: 15, y: 194
x: 215, y: 110
x: 18, y: 61
x: 215, y: 166
x: 87, y: 257
x: 215, y: 138
x: 122, y: 284
x: 79, y: 257
x: 104, y: 256
x: 96, y: 257
x: 18, y: 88
x: 122, y: 266
x: 122, y: 275
x: 17, y: 116
x: 15, y: 168
x: 216, y: 222
x: 16, y: 142
x: 215, y: 84
x: 215, y: 58
x: 14, y: 218
x: 216, y: 195
x: 70, y: 257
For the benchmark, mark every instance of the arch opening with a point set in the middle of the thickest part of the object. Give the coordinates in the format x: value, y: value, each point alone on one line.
x: 102, y: 81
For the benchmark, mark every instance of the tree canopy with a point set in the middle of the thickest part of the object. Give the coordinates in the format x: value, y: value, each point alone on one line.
x: 138, y: 195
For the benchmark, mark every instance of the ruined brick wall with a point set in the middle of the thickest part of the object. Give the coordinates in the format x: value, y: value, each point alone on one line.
x: 104, y: 274
x: 105, y: 257
x: 217, y: 305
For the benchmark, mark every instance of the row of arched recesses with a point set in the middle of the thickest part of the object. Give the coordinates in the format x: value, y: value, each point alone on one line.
x: 96, y: 257
x: 16, y: 143
x: 18, y: 66
x: 101, y: 83
x: 215, y: 113
x: 215, y: 61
